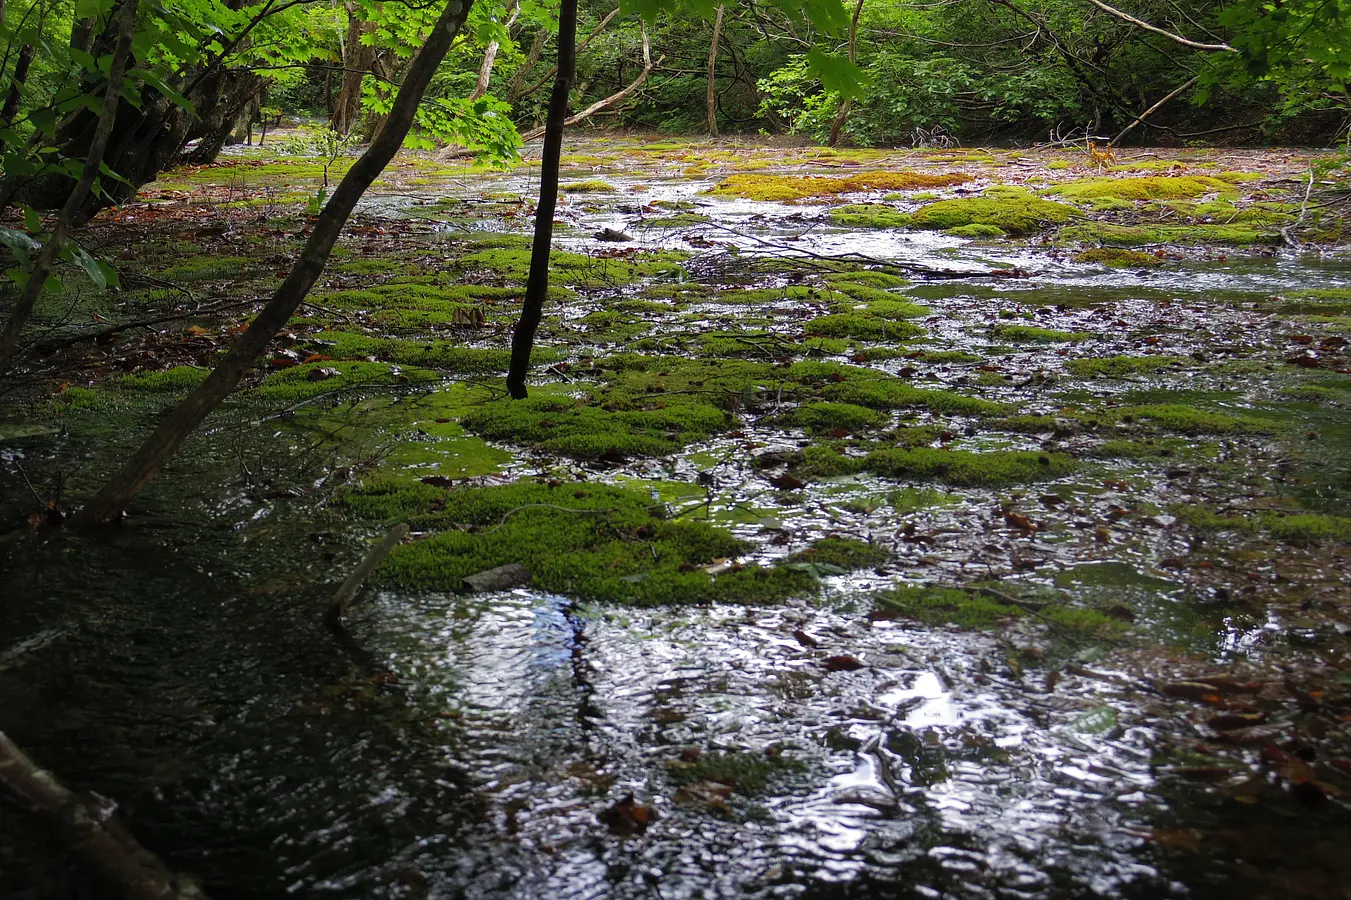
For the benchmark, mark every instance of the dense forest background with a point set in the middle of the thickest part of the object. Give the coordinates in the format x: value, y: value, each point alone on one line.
x: 927, y: 72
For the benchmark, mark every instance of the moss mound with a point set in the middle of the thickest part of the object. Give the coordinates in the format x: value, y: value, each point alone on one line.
x: 1115, y: 258
x: 1119, y: 366
x: 801, y: 187
x: 869, y: 215
x: 594, y: 542
x: 1031, y: 334
x: 1015, y: 212
x: 579, y: 428
x: 978, y: 230
x: 1153, y: 187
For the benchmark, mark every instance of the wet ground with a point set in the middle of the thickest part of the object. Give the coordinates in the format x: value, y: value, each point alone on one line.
x: 1099, y: 646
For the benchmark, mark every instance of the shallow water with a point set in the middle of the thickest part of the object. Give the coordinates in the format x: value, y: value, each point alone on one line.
x: 471, y: 747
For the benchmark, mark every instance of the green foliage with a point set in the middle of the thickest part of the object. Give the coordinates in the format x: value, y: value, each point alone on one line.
x: 593, y: 542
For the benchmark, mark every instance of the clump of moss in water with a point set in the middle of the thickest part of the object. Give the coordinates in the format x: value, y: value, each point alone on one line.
x: 869, y: 215
x: 893, y: 393
x: 577, y: 269
x: 1184, y: 419
x: 1011, y: 210
x: 1117, y: 258
x: 844, y: 554
x: 1300, y: 528
x: 576, y: 427
x: 801, y: 187
x: 178, y: 380
x: 961, y: 468
x: 978, y: 230
x: 862, y: 326
x: 593, y: 542
x: 303, y: 382
x: 974, y: 610
x: 1150, y: 235
x: 592, y: 186
x: 746, y: 773
x: 207, y: 268
x: 1031, y: 334
x: 831, y: 417
x: 1119, y: 366
x: 445, y: 356
x: 1155, y: 187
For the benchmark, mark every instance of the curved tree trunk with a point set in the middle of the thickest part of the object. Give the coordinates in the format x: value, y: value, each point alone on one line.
x: 711, y: 100
x: 485, y: 71
x: 837, y: 126
x: 143, y: 465
x: 537, y: 285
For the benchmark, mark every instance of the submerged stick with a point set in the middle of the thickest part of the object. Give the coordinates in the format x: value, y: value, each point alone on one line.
x: 94, y: 836
x: 343, y: 598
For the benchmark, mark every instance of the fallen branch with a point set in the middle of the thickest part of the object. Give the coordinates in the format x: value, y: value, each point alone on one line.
x: 1147, y: 113
x: 100, y: 333
x: 337, y: 608
x: 86, y: 824
x: 1140, y: 23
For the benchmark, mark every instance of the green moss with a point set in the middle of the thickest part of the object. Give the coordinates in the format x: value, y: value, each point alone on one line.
x: 862, y: 326
x: 964, y: 468
x: 594, y: 542
x: 801, y: 187
x: 680, y: 220
x: 758, y: 296
x: 1031, y: 334
x: 179, y: 380
x: 1116, y: 258
x: 576, y: 429
x: 593, y: 186
x: 869, y: 215
x: 974, y: 610
x: 576, y: 269
x: 208, y: 268
x: 1119, y: 366
x: 1148, y: 235
x: 447, y: 356
x: 978, y: 230
x: 1014, y: 213
x: 302, y: 382
x: 1292, y: 527
x: 913, y: 499
x: 894, y: 393
x: 865, y: 278
x: 1152, y: 187
x: 1184, y: 419
x: 844, y: 554
x: 829, y: 417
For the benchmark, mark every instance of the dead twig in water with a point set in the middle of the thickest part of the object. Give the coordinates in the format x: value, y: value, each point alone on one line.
x: 337, y: 609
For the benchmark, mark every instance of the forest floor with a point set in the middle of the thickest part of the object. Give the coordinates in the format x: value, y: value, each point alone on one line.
x: 897, y: 522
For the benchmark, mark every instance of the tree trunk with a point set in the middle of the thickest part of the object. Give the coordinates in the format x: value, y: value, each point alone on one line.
x: 485, y: 71
x: 711, y: 101
x: 46, y: 258
x: 837, y: 126
x: 356, y: 61
x: 537, y: 285
x: 219, y: 114
x: 96, y: 839
x: 515, y: 87
x: 525, y: 92
x: 174, y: 428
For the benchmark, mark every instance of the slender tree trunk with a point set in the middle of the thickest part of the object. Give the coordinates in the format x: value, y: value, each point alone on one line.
x: 485, y: 72
x: 11, y: 107
x: 174, y: 428
x: 516, y: 87
x: 42, y: 266
x: 711, y: 101
x: 837, y: 126
x: 537, y: 285
x: 609, y: 17
x: 356, y: 60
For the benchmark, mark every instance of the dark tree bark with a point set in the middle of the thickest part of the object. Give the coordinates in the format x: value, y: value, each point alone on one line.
x: 98, y: 840
x: 219, y: 114
x: 51, y: 249
x: 537, y: 285
x: 357, y: 60
x: 175, y: 427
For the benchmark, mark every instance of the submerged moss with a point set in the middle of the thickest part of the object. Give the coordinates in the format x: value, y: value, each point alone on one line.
x: 594, y: 542
x: 869, y: 215
x: 977, y: 611
x: 862, y: 326
x: 746, y: 773
x: 844, y: 554
x: 1148, y: 235
x: 965, y: 468
x: 893, y: 393
x: 592, y: 186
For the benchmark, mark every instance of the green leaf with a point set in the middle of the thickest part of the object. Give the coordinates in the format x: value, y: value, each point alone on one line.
x: 90, y: 265
x: 837, y: 73
x: 21, y: 246
x: 31, y: 220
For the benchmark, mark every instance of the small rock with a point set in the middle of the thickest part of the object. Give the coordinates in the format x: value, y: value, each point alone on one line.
x: 503, y: 578
x: 610, y: 234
